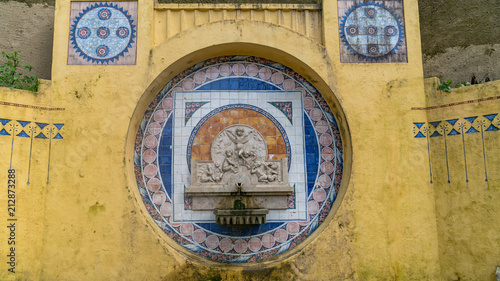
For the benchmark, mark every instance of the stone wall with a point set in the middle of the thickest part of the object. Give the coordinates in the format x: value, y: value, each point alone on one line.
x: 29, y: 30
x: 460, y: 39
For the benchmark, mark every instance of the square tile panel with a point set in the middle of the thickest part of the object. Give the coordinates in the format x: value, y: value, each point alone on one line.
x: 187, y: 108
x: 372, y: 31
x: 103, y: 33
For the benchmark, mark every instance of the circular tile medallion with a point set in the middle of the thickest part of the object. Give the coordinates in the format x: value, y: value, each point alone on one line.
x: 288, y: 112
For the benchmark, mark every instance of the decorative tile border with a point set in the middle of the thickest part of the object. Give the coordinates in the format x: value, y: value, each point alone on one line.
x: 285, y: 108
x: 191, y: 108
x: 323, y: 162
x: 457, y: 127
x: 28, y: 129
x: 32, y: 130
x: 372, y: 31
x: 103, y: 33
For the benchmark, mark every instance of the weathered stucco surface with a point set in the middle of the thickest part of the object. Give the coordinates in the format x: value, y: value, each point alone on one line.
x: 390, y: 223
x: 466, y: 212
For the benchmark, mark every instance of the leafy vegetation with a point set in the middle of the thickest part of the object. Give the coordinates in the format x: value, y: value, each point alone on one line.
x: 12, y: 77
x: 463, y: 84
x: 445, y: 86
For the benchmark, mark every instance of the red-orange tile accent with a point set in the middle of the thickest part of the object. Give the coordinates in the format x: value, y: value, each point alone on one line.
x: 208, y: 131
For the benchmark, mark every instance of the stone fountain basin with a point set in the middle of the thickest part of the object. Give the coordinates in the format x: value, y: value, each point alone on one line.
x: 244, y: 217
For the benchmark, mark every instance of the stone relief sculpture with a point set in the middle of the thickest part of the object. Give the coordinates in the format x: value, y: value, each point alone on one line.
x: 240, y: 172
x: 229, y: 164
x: 266, y: 172
x: 238, y: 147
x: 210, y: 173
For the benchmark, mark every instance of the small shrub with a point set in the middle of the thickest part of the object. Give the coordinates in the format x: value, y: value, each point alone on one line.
x: 12, y: 77
x: 463, y: 84
x: 445, y: 86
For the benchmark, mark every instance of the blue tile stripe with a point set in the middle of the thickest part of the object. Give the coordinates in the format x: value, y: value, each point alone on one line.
x: 464, y: 127
x: 23, y: 129
x: 457, y: 126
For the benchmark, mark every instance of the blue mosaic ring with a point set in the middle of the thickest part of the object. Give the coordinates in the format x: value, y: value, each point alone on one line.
x: 167, y: 131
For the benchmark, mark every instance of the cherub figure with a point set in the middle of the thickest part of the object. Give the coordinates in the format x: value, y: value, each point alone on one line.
x: 259, y: 170
x: 248, y: 158
x: 229, y: 164
x: 211, y: 173
x: 266, y: 172
x: 239, y: 138
x: 272, y: 172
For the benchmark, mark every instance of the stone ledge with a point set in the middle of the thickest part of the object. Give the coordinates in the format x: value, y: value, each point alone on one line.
x: 241, y: 217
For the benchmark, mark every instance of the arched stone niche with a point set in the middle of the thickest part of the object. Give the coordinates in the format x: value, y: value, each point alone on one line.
x: 191, y: 109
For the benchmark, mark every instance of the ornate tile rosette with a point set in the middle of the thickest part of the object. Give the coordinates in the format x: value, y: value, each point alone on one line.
x: 315, y: 150
x: 372, y: 31
x: 103, y: 33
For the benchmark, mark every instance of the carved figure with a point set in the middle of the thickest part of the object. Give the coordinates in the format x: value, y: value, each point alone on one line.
x: 239, y: 138
x: 272, y: 172
x: 211, y: 173
x: 259, y: 170
x: 248, y: 158
x: 246, y: 143
x: 266, y: 172
x: 229, y: 164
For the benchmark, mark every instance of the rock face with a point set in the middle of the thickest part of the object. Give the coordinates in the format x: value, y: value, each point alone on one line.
x: 30, y: 31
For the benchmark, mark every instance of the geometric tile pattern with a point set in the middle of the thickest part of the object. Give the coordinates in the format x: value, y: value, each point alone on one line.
x: 103, y: 33
x: 27, y: 129
x: 34, y: 131
x: 457, y: 127
x: 372, y: 31
x: 191, y: 108
x: 284, y: 107
x: 243, y: 79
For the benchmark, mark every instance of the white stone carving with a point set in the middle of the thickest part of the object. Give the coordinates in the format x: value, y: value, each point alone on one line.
x: 239, y: 158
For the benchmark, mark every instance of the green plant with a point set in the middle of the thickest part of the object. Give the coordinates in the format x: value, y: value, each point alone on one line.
x: 445, y: 86
x: 12, y: 77
x: 463, y: 84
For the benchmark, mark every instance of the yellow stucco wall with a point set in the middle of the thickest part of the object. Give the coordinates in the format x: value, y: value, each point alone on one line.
x: 466, y: 209
x: 89, y: 223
